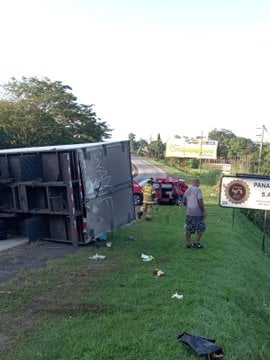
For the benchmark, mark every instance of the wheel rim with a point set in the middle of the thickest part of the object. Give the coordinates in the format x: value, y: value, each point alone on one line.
x: 137, y: 199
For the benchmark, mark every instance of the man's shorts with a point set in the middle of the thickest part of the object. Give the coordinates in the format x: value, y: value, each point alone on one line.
x: 195, y: 224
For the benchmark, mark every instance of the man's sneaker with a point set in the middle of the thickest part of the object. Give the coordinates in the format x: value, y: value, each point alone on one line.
x: 197, y: 245
x: 189, y: 246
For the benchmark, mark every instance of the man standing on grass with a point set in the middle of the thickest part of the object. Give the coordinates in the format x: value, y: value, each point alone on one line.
x: 195, y: 214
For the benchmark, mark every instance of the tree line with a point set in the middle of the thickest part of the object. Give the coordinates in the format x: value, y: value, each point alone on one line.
x: 247, y: 155
x: 37, y: 112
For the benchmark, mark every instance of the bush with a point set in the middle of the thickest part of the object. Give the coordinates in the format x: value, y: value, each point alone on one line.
x: 211, y: 178
x: 257, y: 218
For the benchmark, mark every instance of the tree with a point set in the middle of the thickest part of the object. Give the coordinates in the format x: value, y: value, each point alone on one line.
x: 142, y: 147
x: 41, y: 112
x: 156, y: 149
x: 223, y: 137
x: 132, y: 141
x: 240, y: 146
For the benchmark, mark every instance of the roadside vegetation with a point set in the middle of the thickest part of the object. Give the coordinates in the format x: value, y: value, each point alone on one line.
x: 211, y: 176
x: 79, y: 308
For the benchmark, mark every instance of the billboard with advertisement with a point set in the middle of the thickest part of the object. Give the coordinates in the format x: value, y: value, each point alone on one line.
x: 191, y: 148
x: 245, y: 191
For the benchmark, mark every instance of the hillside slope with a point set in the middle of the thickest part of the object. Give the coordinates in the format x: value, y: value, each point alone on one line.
x: 79, y: 308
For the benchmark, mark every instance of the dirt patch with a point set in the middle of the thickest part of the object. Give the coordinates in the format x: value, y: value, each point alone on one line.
x: 31, y: 256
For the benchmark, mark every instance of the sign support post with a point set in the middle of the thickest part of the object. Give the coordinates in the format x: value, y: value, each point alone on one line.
x: 264, y: 230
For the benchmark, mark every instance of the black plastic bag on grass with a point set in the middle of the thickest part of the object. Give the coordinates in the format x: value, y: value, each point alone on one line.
x: 202, y: 346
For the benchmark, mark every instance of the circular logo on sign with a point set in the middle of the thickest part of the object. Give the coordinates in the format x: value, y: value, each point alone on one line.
x: 237, y: 191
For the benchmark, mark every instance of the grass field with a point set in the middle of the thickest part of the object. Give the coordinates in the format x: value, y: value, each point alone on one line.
x: 83, y: 309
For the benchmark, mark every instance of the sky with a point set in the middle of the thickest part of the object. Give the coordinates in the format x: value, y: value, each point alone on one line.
x: 149, y: 67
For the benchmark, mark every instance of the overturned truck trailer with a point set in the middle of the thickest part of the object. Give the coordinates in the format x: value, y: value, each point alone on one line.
x: 67, y: 193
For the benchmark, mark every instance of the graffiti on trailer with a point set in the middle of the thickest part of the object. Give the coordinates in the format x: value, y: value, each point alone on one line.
x: 98, y: 184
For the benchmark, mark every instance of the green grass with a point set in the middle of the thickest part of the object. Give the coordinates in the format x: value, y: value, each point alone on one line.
x: 82, y: 309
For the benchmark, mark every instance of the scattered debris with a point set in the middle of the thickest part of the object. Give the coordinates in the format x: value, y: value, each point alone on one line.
x: 131, y: 238
x: 202, y: 346
x: 109, y: 244
x: 147, y: 257
x: 158, y: 272
x: 177, y: 296
x: 97, y: 257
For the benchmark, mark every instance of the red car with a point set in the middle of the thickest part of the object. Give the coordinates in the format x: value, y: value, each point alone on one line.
x: 168, y: 190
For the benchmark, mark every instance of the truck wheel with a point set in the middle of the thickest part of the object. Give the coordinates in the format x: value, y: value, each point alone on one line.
x: 137, y: 198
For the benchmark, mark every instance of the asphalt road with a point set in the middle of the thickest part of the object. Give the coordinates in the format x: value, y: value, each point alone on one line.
x: 9, y: 243
x: 146, y: 170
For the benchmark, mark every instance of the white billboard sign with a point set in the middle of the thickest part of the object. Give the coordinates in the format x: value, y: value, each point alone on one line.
x: 191, y: 148
x: 245, y: 192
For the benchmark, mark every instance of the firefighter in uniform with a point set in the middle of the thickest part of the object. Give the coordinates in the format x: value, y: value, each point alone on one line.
x: 149, y: 197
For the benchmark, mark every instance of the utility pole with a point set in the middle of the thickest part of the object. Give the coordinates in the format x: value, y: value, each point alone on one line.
x: 200, y: 167
x: 261, y: 146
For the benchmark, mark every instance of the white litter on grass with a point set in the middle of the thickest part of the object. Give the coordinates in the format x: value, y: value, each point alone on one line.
x: 158, y: 272
x: 97, y: 257
x: 177, y: 296
x: 147, y: 257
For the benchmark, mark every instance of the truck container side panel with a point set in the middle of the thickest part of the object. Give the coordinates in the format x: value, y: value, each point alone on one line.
x: 71, y: 200
x: 6, y: 198
x: 65, y: 166
x: 21, y: 167
x: 70, y: 193
x: 74, y: 165
x: 23, y: 198
x: 14, y: 167
x: 47, y: 227
x: 107, y: 182
x: 59, y: 228
x: 37, y: 198
x: 83, y: 218
x: 80, y: 187
x: 16, y: 198
x: 50, y: 166
x: 37, y: 228
x: 69, y: 174
x: 58, y: 201
x: 30, y: 167
x: 4, y: 168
